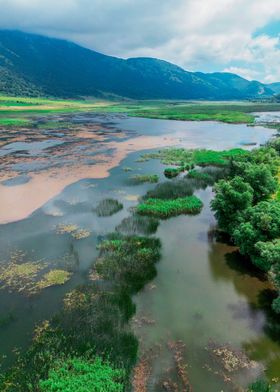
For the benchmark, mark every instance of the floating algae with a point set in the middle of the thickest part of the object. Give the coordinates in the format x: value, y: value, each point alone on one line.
x: 66, y: 228
x: 80, y: 234
x: 20, y: 277
x: 229, y: 358
x: 72, y: 229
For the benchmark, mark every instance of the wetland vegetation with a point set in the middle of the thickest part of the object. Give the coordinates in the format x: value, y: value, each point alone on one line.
x: 91, y: 341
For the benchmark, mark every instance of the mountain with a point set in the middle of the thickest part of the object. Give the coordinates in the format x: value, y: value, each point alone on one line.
x: 275, y: 87
x: 36, y: 65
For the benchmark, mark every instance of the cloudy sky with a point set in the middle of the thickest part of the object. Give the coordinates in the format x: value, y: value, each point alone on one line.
x: 241, y: 36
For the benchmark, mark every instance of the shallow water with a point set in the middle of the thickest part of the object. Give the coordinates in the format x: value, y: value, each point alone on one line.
x: 203, y: 290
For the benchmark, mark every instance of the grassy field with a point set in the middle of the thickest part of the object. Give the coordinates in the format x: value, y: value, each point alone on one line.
x: 19, y: 111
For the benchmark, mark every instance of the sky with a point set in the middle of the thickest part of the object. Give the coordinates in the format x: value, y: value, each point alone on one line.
x: 240, y: 36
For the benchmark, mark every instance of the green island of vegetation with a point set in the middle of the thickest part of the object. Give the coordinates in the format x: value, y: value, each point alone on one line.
x: 160, y: 208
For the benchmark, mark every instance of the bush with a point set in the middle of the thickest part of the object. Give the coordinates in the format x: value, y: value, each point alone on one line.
x: 80, y: 375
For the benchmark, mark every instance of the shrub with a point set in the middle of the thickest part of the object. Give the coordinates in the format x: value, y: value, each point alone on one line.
x: 81, y: 375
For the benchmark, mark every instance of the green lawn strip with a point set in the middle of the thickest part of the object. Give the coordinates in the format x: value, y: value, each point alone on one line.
x: 165, y: 208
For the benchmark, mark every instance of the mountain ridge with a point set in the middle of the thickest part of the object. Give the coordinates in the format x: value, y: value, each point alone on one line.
x: 32, y: 64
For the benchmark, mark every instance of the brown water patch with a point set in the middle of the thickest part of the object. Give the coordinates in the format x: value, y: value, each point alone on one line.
x: 17, y: 202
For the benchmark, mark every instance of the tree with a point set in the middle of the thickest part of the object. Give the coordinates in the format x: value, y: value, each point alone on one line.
x: 268, y: 253
x: 261, y: 223
x: 232, y: 198
x: 261, y: 179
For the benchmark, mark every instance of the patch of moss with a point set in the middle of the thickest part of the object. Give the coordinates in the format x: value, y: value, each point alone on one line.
x: 53, y: 278
x: 161, y: 208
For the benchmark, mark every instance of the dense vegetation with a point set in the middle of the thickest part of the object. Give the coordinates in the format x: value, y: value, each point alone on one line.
x: 89, y: 340
x: 19, y: 111
x: 161, y: 208
x: 247, y: 208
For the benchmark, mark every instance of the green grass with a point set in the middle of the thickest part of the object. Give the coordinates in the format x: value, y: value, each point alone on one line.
x: 165, y: 208
x: 229, y: 112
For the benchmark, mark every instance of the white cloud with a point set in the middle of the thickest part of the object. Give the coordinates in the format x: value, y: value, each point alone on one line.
x: 196, y: 34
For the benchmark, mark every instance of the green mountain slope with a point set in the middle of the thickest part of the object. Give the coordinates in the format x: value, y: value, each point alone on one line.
x: 32, y: 64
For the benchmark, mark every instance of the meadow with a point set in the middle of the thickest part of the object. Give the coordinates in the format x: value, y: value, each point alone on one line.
x: 19, y: 111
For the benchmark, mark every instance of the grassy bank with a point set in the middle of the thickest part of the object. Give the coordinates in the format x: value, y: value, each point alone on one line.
x: 18, y: 108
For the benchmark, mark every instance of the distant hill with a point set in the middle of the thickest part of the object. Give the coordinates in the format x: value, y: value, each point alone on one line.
x: 275, y: 87
x: 37, y: 65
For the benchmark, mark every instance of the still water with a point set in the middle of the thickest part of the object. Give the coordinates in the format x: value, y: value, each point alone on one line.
x: 204, y: 292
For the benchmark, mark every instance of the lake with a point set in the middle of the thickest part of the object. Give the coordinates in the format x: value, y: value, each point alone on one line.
x: 204, y: 295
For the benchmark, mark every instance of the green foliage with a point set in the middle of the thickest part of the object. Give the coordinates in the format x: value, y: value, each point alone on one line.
x: 260, y: 223
x: 247, y: 206
x: 128, y: 261
x: 260, y: 177
x: 198, y: 175
x: 171, y: 172
x: 187, y: 159
x: 267, y: 254
x: 232, y: 199
x: 260, y: 386
x: 108, y: 207
x: 166, y: 208
x: 79, y: 375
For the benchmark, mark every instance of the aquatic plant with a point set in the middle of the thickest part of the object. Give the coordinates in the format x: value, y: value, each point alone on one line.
x: 187, y: 159
x: 80, y: 234
x: 199, y: 175
x: 66, y: 228
x: 137, y: 224
x: 20, y: 277
x: 166, y: 208
x: 144, y: 178
x: 129, y: 261
x: 53, y: 278
x: 81, y: 375
x: 172, y: 189
x: 72, y: 229
x: 231, y: 359
x: 171, y: 172
x: 108, y: 207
